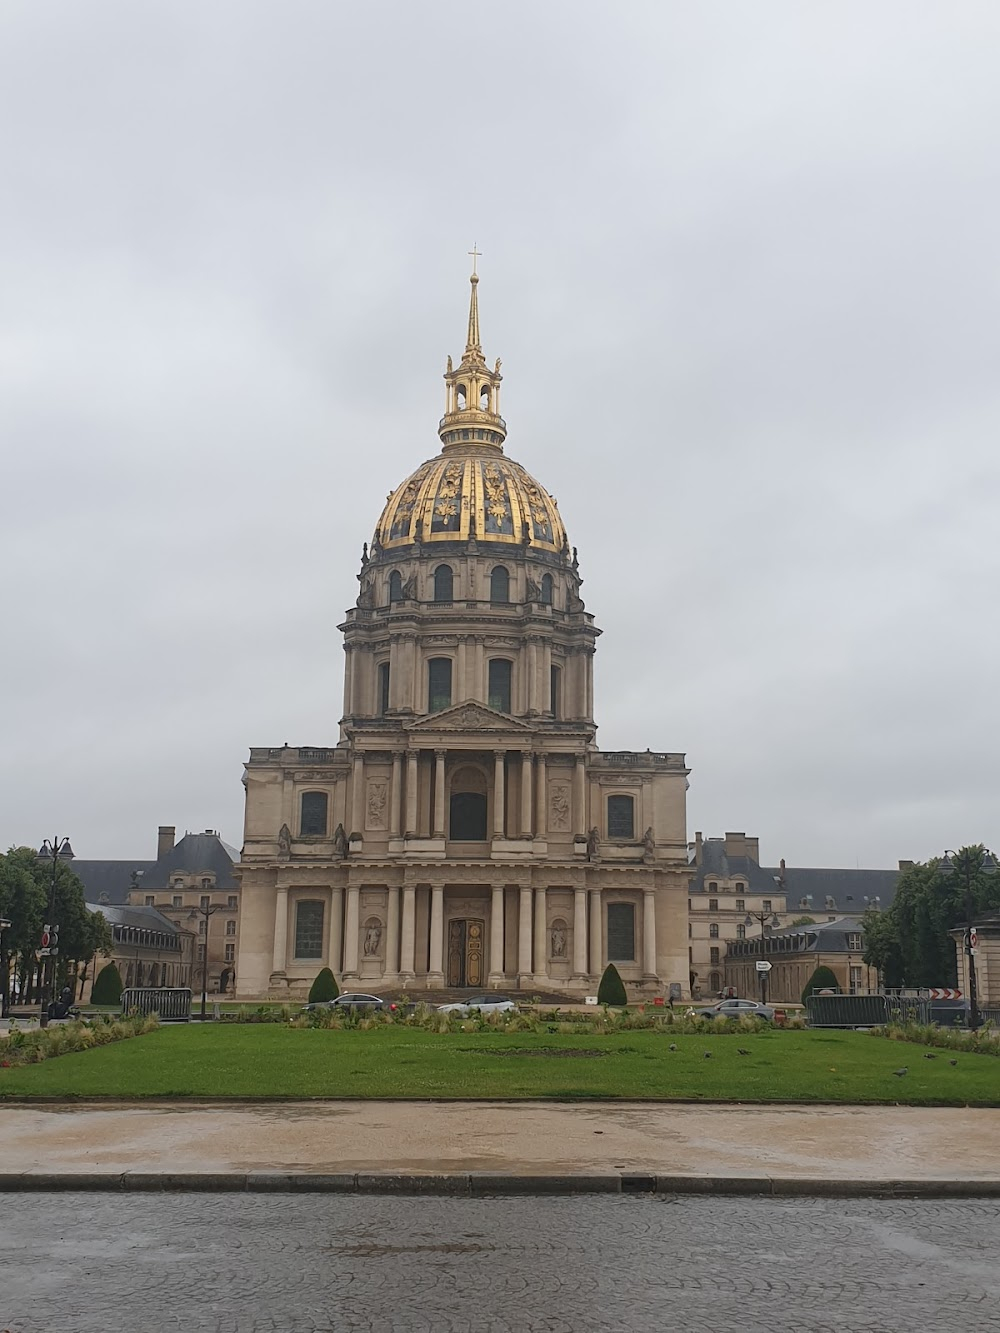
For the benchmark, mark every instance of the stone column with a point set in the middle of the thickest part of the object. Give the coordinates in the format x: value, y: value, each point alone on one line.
x: 649, y: 932
x: 498, y: 794
x: 348, y: 680
x: 524, y: 936
x: 541, y: 937
x: 496, y: 936
x: 397, y: 793
x: 410, y: 823
x: 460, y: 689
x: 532, y: 663
x: 438, y: 797
x: 436, y: 977
x: 358, y: 797
x: 580, y: 795
x: 596, y: 935
x: 580, y: 934
x: 541, y: 809
x: 409, y: 932
x: 392, y: 933
x: 545, y: 681
x: 478, y: 691
x: 280, y: 930
x: 351, y: 922
x: 335, y: 932
x: 525, y: 793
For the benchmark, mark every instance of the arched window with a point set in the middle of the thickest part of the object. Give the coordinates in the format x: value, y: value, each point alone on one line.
x: 621, y: 817
x: 467, y: 806
x: 555, y: 691
x: 308, y: 929
x: 714, y: 983
x: 444, y: 583
x: 460, y: 396
x: 500, y: 678
x: 484, y: 398
x: 395, y: 586
x: 713, y: 931
x: 546, y: 591
x: 438, y: 684
x: 312, y: 814
x: 383, y: 688
x: 499, y: 586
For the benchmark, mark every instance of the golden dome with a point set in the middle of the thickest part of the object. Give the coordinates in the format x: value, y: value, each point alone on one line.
x: 478, y: 495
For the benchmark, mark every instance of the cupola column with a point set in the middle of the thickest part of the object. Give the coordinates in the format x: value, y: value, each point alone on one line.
x: 396, y: 802
x: 411, y: 794
x: 580, y: 796
x: 438, y: 831
x: 498, y: 793
x: 526, y: 831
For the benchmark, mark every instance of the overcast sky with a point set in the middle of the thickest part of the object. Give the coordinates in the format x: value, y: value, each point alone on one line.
x: 741, y: 264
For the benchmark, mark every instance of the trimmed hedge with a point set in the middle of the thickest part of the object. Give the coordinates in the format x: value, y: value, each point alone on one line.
x: 821, y: 979
x: 323, y: 988
x: 612, y: 988
x: 107, y: 986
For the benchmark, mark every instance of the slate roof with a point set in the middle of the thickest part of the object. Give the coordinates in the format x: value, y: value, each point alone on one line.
x: 194, y: 854
x: 111, y: 877
x: 143, y: 918
x: 848, y: 889
x: 716, y: 863
x: 825, y: 936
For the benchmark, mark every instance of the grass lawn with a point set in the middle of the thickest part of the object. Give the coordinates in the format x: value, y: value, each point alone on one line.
x: 221, y: 1061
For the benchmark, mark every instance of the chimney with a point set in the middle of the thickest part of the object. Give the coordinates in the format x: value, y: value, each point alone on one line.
x: 906, y: 865
x: 697, y: 849
x: 165, y: 840
x: 738, y: 844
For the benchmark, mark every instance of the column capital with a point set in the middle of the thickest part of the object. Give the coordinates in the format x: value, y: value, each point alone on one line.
x: 440, y: 754
x: 499, y: 754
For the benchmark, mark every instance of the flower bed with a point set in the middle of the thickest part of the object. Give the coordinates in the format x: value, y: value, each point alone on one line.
x: 23, y: 1047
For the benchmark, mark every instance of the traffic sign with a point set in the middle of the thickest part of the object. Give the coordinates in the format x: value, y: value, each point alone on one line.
x: 762, y: 965
x: 944, y: 993
x: 43, y: 953
x: 973, y: 939
x: 45, y: 938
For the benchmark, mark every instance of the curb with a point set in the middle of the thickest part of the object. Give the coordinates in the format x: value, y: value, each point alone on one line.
x: 482, y: 1184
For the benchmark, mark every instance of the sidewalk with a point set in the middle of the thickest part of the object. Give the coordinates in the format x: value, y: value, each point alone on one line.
x: 742, y: 1149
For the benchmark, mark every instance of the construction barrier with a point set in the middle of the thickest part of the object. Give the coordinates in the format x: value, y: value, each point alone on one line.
x: 876, y: 1010
x: 173, y: 1004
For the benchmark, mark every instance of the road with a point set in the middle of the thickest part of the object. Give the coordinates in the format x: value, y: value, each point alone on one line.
x: 93, y: 1263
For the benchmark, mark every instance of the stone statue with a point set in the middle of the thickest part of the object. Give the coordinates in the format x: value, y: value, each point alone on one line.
x: 409, y: 589
x: 449, y: 366
x: 366, y: 597
x: 340, y: 841
x: 593, y: 844
x: 558, y: 940
x: 648, y: 845
x: 364, y: 554
x: 496, y: 368
x: 533, y: 589
x: 373, y: 937
x: 284, y: 841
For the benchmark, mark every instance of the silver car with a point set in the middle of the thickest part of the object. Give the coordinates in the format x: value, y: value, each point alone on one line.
x: 484, y: 1004
x: 740, y: 1009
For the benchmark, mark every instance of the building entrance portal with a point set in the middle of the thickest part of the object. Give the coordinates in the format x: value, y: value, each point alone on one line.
x: 465, y: 952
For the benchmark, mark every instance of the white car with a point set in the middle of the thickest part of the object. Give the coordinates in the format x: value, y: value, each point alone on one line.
x: 484, y: 1004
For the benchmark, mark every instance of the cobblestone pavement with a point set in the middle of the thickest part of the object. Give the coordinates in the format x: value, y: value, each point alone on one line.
x: 301, y: 1264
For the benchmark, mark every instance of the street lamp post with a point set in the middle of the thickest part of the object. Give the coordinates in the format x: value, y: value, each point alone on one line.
x: 988, y: 866
x: 4, y: 972
x: 55, y: 851
x: 206, y: 913
x: 764, y: 919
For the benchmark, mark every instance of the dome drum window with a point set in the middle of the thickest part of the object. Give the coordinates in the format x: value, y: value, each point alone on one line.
x: 438, y: 684
x: 444, y: 583
x: 313, y: 814
x: 501, y: 674
x: 499, y: 586
x: 621, y: 818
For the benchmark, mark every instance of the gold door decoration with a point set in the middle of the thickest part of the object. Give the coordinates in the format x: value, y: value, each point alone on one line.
x: 465, y: 952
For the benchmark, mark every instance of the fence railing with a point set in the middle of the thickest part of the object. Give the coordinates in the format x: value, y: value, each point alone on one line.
x: 171, y: 1003
x: 875, y: 1010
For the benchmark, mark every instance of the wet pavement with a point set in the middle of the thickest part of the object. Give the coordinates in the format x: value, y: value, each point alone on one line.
x: 92, y: 1264
x: 906, y: 1143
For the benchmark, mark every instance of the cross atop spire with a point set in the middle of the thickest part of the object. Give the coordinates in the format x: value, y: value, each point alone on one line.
x: 473, y: 393
x: 476, y: 254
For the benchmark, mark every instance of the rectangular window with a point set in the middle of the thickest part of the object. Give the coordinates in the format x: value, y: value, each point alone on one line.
x: 383, y: 688
x: 854, y: 943
x: 150, y: 900
x: 204, y: 900
x: 230, y: 953
x: 438, y: 684
x: 741, y: 904
x: 766, y: 905
x: 500, y: 678
x: 312, y: 814
x: 230, y: 927
x: 621, y: 817
x: 713, y: 904
x: 201, y: 953
x: 714, y: 955
x: 201, y: 926
x: 176, y: 901
x: 855, y: 979
x: 621, y: 933
x: 232, y: 900
x: 555, y: 680
x: 308, y: 929
x: 741, y: 932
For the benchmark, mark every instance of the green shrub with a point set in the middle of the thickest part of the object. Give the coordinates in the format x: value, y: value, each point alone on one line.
x: 107, y: 986
x: 612, y: 988
x: 324, y: 987
x: 821, y: 979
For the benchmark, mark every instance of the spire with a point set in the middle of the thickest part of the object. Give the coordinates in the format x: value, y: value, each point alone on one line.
x: 472, y: 403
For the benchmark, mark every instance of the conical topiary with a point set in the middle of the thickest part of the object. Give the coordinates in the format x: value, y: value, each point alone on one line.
x: 612, y: 988
x: 324, y: 987
x: 821, y: 979
x: 107, y: 986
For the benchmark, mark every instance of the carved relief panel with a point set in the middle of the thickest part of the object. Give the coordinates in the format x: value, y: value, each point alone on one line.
x: 377, y: 804
x: 560, y: 806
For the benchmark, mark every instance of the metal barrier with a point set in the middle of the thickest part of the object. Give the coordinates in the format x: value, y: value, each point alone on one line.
x: 172, y: 1004
x: 863, y: 1011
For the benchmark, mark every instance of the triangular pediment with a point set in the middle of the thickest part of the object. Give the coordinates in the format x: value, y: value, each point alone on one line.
x: 471, y: 717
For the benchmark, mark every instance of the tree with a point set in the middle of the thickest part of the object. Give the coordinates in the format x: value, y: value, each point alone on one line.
x: 803, y: 921
x: 612, y: 988
x: 909, y: 942
x: 324, y: 987
x: 821, y: 979
x: 107, y: 986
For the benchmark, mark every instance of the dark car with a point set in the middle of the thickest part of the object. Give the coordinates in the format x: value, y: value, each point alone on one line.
x: 354, y: 1000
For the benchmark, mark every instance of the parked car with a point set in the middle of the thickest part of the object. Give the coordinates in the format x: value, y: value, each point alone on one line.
x: 484, y: 1004
x: 740, y: 1009
x: 353, y: 1000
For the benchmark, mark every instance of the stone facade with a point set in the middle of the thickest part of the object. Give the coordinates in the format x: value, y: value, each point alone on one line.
x: 466, y: 830
x: 794, y: 953
x: 987, y: 959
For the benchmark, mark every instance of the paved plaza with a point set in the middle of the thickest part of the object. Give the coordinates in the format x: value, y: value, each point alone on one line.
x: 75, y: 1263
